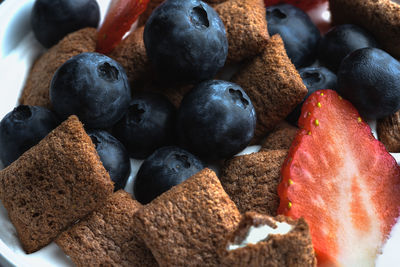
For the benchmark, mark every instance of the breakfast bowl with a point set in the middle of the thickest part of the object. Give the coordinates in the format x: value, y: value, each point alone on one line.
x: 18, y: 51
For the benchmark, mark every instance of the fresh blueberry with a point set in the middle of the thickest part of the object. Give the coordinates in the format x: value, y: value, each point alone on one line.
x: 216, y: 120
x: 113, y: 155
x: 314, y: 78
x: 298, y: 32
x: 369, y: 78
x: 23, y: 128
x: 148, y: 124
x: 341, y: 41
x: 185, y: 40
x: 51, y: 20
x: 92, y: 86
x: 165, y: 168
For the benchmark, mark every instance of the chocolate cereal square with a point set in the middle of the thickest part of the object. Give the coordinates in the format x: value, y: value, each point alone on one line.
x: 280, y: 138
x: 278, y: 241
x: 131, y: 54
x: 107, y: 237
x: 388, y: 129
x: 246, y: 27
x: 380, y: 17
x: 54, y: 184
x: 252, y: 181
x: 273, y: 85
x: 36, y: 89
x: 183, y: 226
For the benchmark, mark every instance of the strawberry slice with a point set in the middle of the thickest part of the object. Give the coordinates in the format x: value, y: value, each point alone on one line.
x: 342, y: 181
x: 120, y: 16
x: 303, y: 4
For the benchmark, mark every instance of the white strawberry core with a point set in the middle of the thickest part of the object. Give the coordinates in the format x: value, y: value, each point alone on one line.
x: 363, y: 248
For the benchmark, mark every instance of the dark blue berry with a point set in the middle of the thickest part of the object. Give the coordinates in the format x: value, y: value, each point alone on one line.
x: 92, y: 86
x: 341, y: 41
x: 314, y: 78
x: 165, y: 168
x: 369, y: 78
x: 113, y: 155
x: 23, y: 128
x: 148, y: 124
x: 216, y: 120
x: 185, y: 40
x: 298, y: 32
x: 51, y: 20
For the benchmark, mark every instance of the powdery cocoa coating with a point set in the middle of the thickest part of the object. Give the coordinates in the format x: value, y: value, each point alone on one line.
x: 36, y: 89
x: 280, y: 138
x: 131, y: 54
x: 107, y: 237
x: 54, y: 184
x: 252, y: 181
x: 184, y: 226
x: 292, y: 249
x: 246, y: 27
x: 273, y: 85
x: 380, y: 17
x: 389, y: 132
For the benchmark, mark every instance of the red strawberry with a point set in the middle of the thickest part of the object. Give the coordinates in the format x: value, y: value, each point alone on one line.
x: 120, y: 16
x: 342, y: 181
x: 303, y: 4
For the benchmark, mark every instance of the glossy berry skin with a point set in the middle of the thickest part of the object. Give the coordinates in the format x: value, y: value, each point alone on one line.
x: 148, y: 124
x: 113, y: 155
x: 298, y: 32
x: 216, y: 120
x: 165, y: 168
x: 52, y: 20
x: 369, y: 79
x: 314, y: 78
x: 341, y: 41
x: 23, y: 128
x: 92, y: 86
x: 186, y: 41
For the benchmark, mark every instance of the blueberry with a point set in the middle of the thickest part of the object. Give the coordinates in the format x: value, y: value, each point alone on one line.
x: 113, y: 155
x: 148, y: 124
x: 51, y: 20
x: 92, y: 86
x: 165, y: 168
x: 23, y: 128
x: 314, y: 78
x: 185, y: 40
x: 341, y: 41
x: 369, y: 78
x: 298, y: 32
x: 216, y: 120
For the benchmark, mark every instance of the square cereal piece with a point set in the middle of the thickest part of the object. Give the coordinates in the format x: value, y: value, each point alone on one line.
x: 388, y: 129
x: 183, y: 226
x: 131, y: 54
x: 254, y: 243
x: 273, y: 85
x: 54, y: 184
x: 246, y: 27
x: 36, y: 89
x: 107, y: 236
x: 380, y: 17
x: 280, y: 138
x: 252, y: 181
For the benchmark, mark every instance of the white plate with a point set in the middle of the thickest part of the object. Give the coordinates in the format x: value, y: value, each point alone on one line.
x: 18, y: 49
